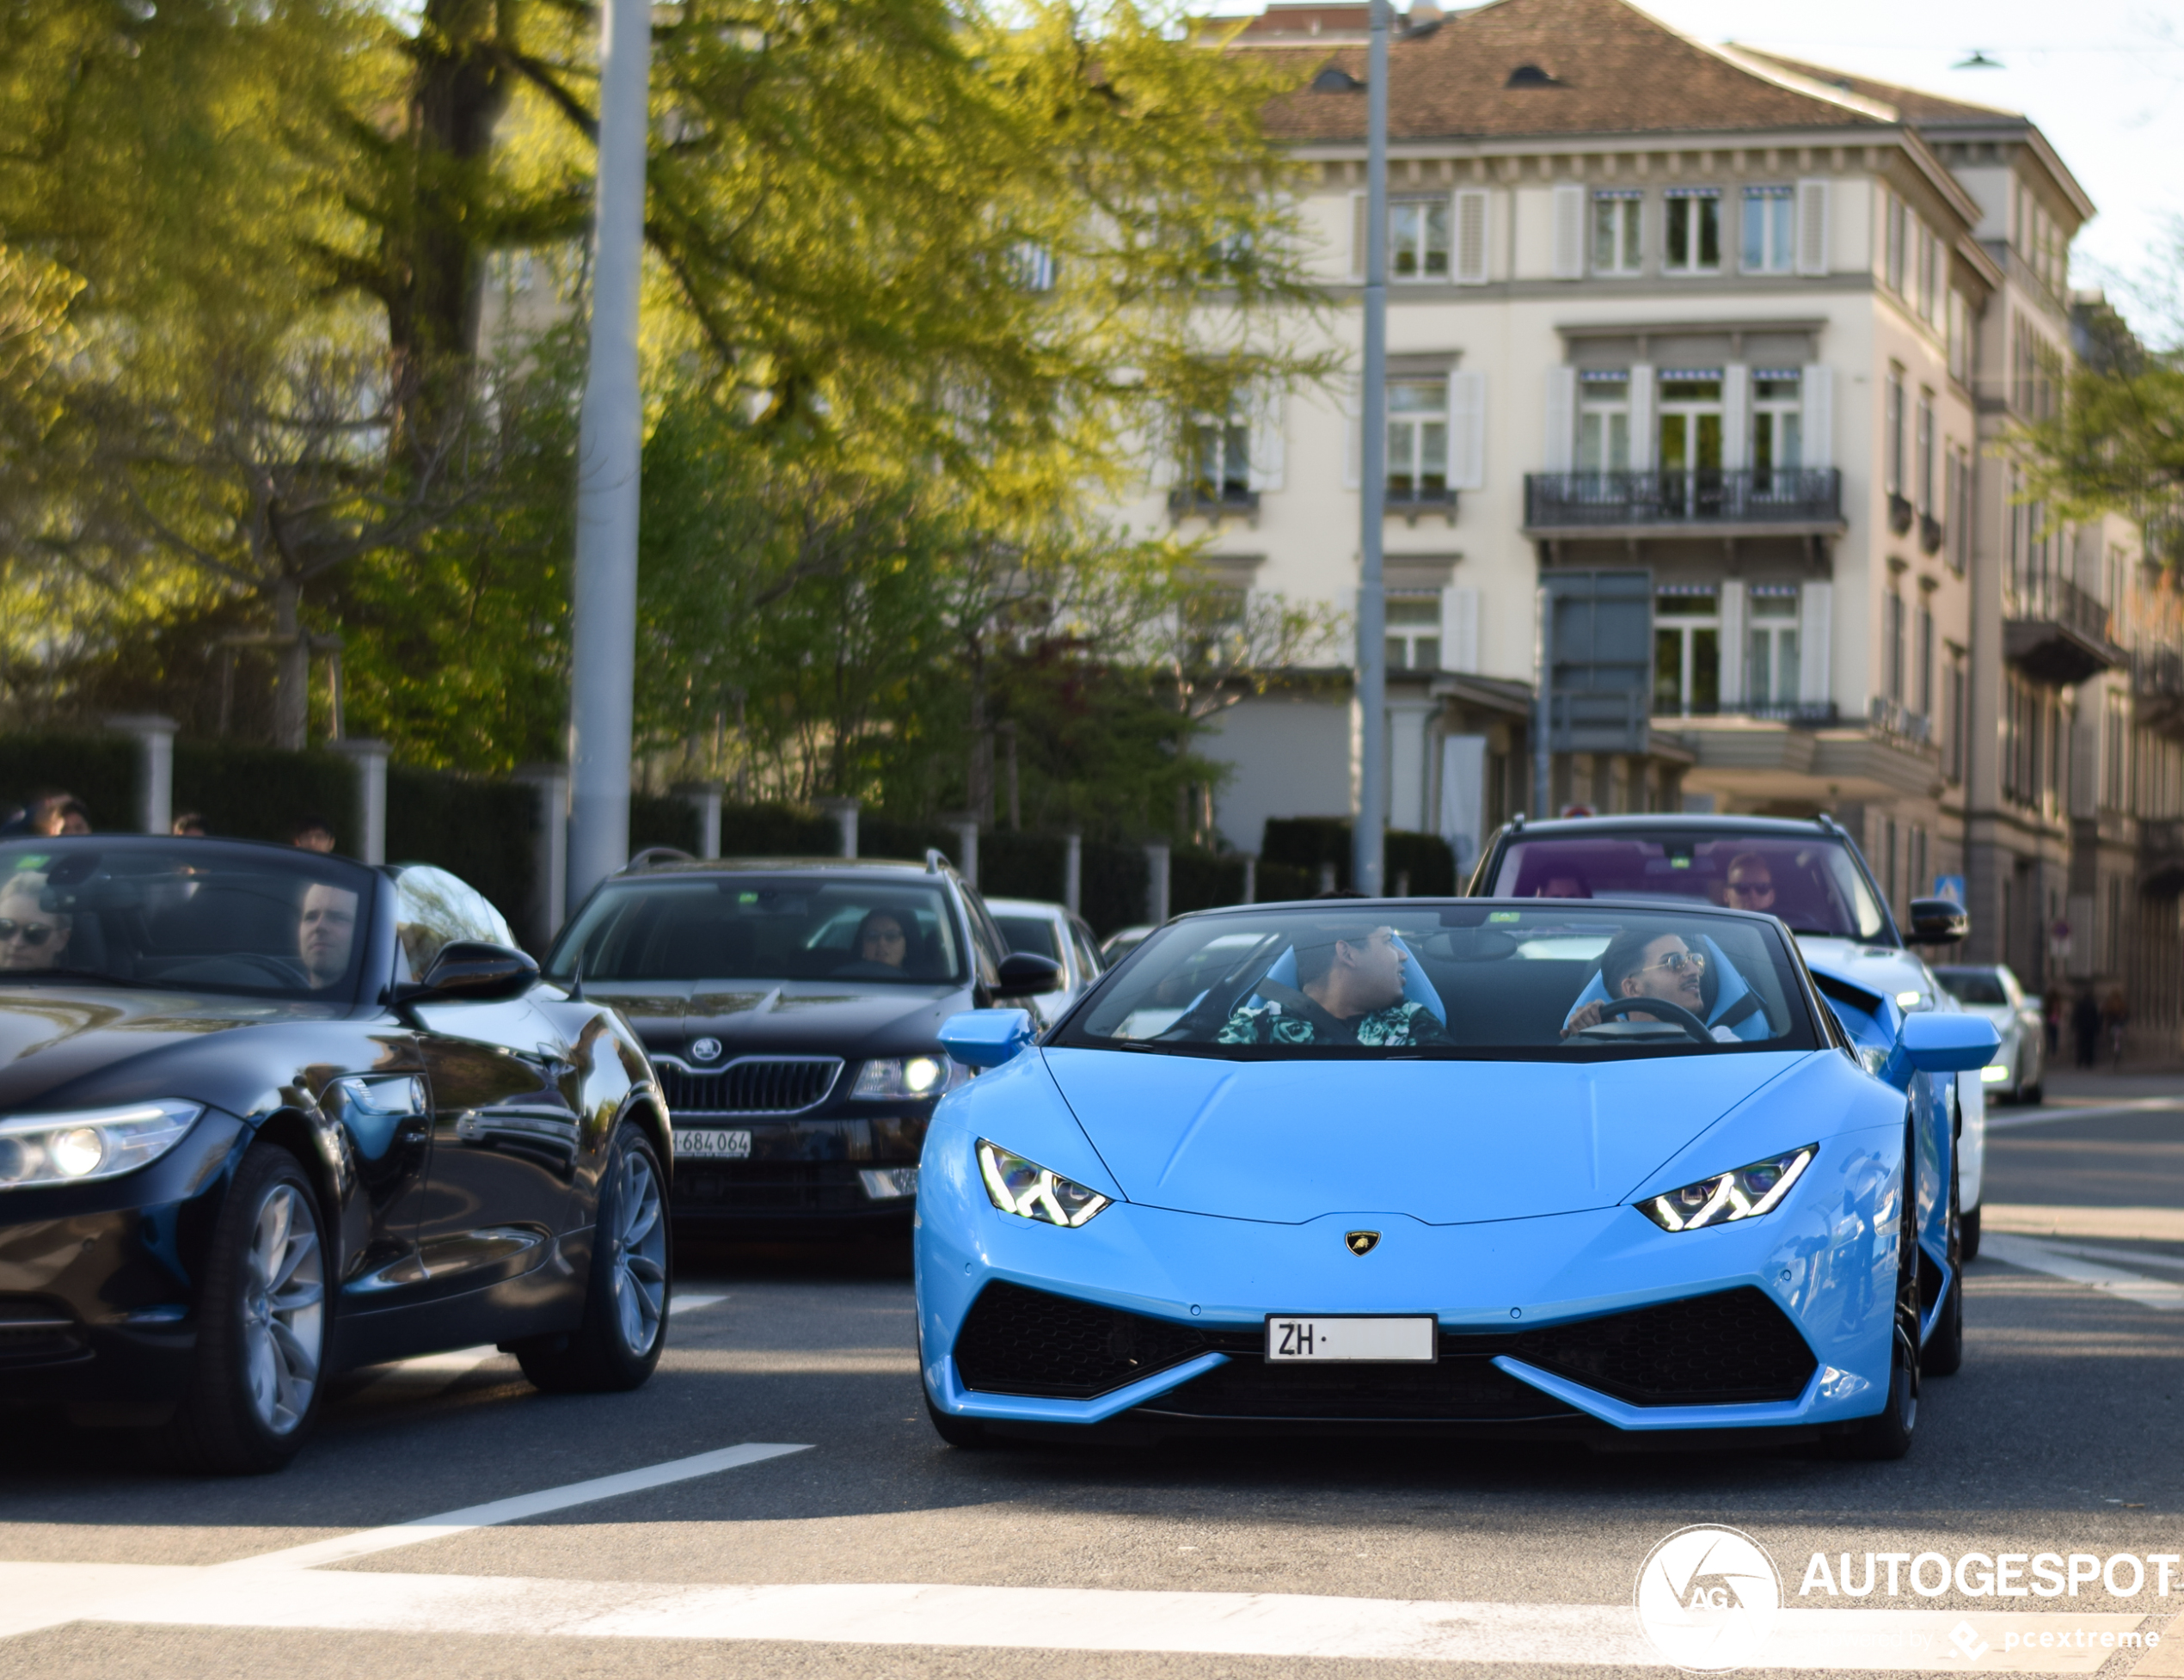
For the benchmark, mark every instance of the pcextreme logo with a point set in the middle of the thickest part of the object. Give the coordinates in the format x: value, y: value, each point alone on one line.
x: 1708, y: 1598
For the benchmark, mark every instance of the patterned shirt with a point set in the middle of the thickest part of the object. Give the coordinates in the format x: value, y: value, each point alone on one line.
x: 1400, y: 1025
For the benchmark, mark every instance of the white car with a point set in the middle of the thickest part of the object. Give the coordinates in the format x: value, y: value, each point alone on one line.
x: 1050, y: 931
x: 1991, y: 990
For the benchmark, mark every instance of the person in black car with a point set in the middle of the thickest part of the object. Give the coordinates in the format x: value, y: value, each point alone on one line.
x: 883, y: 947
x: 1349, y: 990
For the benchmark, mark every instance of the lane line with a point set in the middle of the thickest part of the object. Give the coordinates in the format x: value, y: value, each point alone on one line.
x: 1264, y: 1624
x: 690, y: 1304
x: 2128, y: 1256
x: 2161, y: 1294
x: 2049, y: 1113
x: 2111, y: 1225
x: 514, y: 1509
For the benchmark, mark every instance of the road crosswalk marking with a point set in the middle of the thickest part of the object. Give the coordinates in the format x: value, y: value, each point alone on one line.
x: 2159, y: 1293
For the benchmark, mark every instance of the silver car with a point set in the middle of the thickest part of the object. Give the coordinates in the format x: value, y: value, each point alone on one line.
x: 1992, y: 991
x: 1050, y: 931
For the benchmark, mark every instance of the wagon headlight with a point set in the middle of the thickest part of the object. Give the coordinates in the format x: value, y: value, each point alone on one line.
x: 90, y: 1142
x: 913, y: 1077
x: 1031, y: 1192
x: 1745, y: 1193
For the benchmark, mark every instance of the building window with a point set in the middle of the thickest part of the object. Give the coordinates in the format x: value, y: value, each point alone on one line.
x: 1892, y: 635
x: 1960, y: 338
x: 1772, y: 676
x: 1929, y: 274
x: 1221, y: 459
x: 1031, y: 267
x: 1690, y: 419
x: 1895, y: 238
x: 1418, y: 438
x: 1777, y: 426
x: 1770, y: 229
x: 1694, y: 245
x: 1926, y: 500
x: 1917, y: 887
x: 1925, y: 653
x: 1687, y: 650
x: 1893, y: 440
x: 1955, y: 744
x: 1603, y: 420
x: 1615, y: 231
x: 1418, y: 239
x: 2115, y: 750
x: 1414, y: 629
x: 1956, y: 517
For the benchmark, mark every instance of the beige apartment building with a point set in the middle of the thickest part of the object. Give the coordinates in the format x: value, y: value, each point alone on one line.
x: 1702, y: 355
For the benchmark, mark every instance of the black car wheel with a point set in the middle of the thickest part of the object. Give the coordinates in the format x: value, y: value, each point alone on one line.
x: 1968, y: 1237
x: 1888, y: 1434
x: 625, y: 1308
x: 254, y: 1391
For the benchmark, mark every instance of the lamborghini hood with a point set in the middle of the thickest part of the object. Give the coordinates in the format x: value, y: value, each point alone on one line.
x: 1448, y: 1143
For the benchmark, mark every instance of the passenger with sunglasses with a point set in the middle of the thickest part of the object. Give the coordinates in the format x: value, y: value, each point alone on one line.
x: 1641, y: 964
x: 30, y: 937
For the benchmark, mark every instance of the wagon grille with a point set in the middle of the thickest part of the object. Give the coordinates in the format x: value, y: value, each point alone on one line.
x: 1709, y: 1350
x: 751, y: 1085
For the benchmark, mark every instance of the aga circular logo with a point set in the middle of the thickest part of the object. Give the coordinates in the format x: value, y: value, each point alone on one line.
x: 705, y: 1049
x: 1707, y: 1598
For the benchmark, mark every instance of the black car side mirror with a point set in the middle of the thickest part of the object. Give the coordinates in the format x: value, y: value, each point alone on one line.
x: 472, y: 972
x: 1938, y: 922
x: 1024, y: 973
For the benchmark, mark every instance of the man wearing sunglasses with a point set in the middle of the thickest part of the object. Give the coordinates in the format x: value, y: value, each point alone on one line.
x: 30, y: 938
x: 1637, y: 963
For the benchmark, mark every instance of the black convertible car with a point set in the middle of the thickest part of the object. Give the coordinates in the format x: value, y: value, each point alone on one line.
x: 266, y: 1115
x: 793, y: 1010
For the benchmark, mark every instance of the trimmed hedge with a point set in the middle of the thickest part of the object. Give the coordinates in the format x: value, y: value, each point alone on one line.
x: 484, y: 832
x: 664, y: 819
x: 1306, y: 843
x: 258, y: 793
x: 99, y: 769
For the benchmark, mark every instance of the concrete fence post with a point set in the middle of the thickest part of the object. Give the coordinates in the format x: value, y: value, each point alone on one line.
x: 154, y: 768
x: 1250, y: 879
x: 1073, y: 872
x: 549, y: 907
x: 966, y: 847
x: 704, y: 798
x: 1156, y: 861
x: 844, y: 813
x: 369, y: 758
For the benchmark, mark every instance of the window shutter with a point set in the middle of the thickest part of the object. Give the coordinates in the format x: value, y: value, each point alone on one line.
x: 1266, y: 419
x: 1468, y: 431
x: 1561, y: 420
x: 1471, y: 237
x: 1569, y: 230
x: 1357, y: 203
x: 1460, y: 630
x: 1354, y: 432
x: 1736, y: 416
x: 1641, y: 418
x: 1812, y: 227
x: 1817, y: 393
x: 1732, y: 651
x: 1815, y: 619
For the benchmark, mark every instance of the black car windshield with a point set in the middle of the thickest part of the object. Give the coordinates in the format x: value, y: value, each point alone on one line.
x: 1811, y: 882
x: 1533, y: 981
x: 765, y: 928
x: 1974, y: 985
x: 203, y: 916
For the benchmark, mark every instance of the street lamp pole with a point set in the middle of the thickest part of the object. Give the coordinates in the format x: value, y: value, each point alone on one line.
x: 608, y: 439
x: 1369, y: 834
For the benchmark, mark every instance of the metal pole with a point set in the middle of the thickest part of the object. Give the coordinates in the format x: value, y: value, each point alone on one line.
x: 1368, y: 837
x: 604, y: 654
x: 1542, y: 709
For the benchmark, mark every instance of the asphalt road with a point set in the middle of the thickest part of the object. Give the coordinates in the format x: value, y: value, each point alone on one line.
x: 872, y: 1549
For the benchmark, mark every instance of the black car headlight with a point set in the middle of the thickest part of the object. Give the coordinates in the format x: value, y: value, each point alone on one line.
x: 1031, y: 1192
x: 83, y: 1144
x: 1744, y: 1193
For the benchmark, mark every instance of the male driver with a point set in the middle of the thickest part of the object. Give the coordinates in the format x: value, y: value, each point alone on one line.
x: 1349, y: 990
x: 30, y: 938
x: 1752, y: 884
x: 325, y: 932
x: 1637, y: 963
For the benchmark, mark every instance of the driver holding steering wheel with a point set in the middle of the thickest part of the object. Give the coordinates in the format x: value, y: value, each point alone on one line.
x: 1637, y: 963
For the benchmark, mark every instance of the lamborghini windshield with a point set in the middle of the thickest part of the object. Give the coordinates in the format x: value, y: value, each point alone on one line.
x: 1471, y: 979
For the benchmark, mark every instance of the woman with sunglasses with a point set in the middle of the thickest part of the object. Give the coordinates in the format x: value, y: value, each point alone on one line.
x: 1640, y: 964
x: 30, y: 937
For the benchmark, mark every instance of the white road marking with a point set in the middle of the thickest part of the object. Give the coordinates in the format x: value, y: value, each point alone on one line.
x: 1267, y: 1624
x: 344, y: 1547
x: 2022, y: 1251
x: 690, y: 1304
x: 2110, y: 1225
x: 2128, y: 1256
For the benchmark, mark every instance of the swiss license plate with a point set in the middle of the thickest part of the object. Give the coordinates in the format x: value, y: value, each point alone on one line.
x: 694, y: 1145
x: 1353, y: 1340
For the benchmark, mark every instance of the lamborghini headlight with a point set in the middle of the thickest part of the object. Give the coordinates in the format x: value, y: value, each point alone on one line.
x: 914, y: 1076
x: 1031, y: 1192
x: 1745, y: 1193
x: 88, y: 1143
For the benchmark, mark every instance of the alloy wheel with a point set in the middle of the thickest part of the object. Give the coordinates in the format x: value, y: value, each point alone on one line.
x: 283, y: 1309
x: 640, y: 1254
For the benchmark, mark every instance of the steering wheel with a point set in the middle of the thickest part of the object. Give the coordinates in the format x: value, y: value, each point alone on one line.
x: 1674, y: 1014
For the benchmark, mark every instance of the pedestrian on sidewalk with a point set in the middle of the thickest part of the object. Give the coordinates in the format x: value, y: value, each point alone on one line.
x: 2115, y: 1013
x: 2085, y: 1024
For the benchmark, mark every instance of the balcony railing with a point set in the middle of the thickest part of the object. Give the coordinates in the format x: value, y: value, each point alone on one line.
x: 1893, y: 717
x: 2157, y: 689
x: 2055, y: 632
x: 1756, y: 496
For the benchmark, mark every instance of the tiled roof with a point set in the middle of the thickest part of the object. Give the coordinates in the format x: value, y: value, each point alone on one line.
x: 1615, y: 70
x: 1917, y: 106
